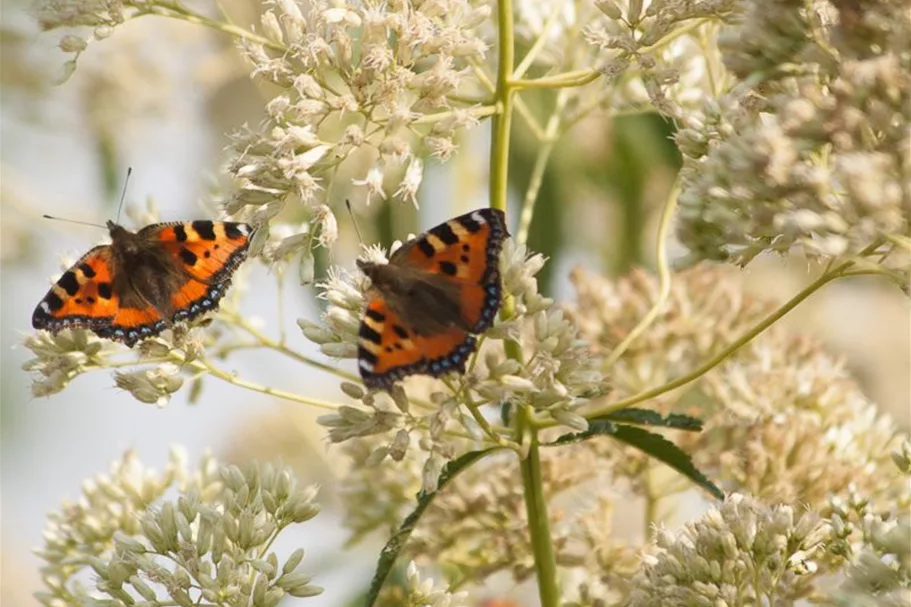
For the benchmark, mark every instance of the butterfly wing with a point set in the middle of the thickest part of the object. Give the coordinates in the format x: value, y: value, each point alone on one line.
x: 209, y: 252
x: 132, y: 324
x: 388, y: 349
x: 465, y: 249
x: 83, y: 297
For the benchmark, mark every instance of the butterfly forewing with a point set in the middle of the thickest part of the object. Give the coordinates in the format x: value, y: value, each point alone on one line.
x: 466, y: 250
x: 209, y: 251
x: 82, y: 296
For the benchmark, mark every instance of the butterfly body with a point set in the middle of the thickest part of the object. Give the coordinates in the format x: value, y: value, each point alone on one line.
x: 427, y: 304
x: 144, y: 281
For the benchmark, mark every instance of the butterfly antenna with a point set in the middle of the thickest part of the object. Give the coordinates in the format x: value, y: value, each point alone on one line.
x: 83, y: 223
x: 123, y: 194
x: 354, y: 222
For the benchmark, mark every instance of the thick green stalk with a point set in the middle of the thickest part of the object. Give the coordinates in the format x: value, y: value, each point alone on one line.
x: 525, y: 433
x: 538, y: 521
x: 499, y: 152
x: 499, y: 145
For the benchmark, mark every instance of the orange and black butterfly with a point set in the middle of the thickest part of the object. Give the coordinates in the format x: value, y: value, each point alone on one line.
x: 144, y: 281
x: 427, y: 304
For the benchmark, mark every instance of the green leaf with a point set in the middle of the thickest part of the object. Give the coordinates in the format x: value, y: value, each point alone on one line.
x: 664, y: 450
x: 650, y: 443
x: 394, y: 546
x: 649, y: 417
x: 596, y: 427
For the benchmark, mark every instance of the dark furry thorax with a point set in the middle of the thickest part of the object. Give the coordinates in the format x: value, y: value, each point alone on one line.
x: 144, y: 273
x: 429, y: 302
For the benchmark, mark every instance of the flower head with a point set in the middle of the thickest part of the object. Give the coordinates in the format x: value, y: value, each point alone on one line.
x: 812, y: 155
x: 60, y: 358
x: 334, y: 103
x: 742, y: 551
x: 212, y: 540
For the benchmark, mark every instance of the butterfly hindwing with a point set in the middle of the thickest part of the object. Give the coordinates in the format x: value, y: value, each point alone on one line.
x: 209, y: 251
x: 467, y: 250
x: 133, y: 324
x: 388, y: 349
x: 195, y: 298
x: 83, y: 297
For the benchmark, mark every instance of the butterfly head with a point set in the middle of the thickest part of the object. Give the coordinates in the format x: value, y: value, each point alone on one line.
x: 382, y: 276
x: 125, y: 241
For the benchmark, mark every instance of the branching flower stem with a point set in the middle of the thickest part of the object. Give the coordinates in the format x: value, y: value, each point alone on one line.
x: 538, y: 45
x: 474, y: 409
x: 272, y: 344
x: 569, y: 79
x: 178, y: 11
x: 841, y: 271
x: 267, y: 342
x: 664, y: 278
x: 231, y: 378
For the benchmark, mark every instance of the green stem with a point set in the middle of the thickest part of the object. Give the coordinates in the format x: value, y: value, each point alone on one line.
x: 551, y: 134
x: 677, y: 33
x: 525, y: 433
x: 569, y: 79
x: 270, y: 343
x: 499, y: 156
x: 231, y: 378
x: 118, y: 364
x: 899, y: 240
x: 538, y: 521
x: 178, y: 11
x: 531, y: 194
x: 520, y: 106
x: 651, y: 501
x: 539, y: 43
x: 499, y: 146
x: 475, y: 411
x: 744, y: 339
x: 664, y: 280
x: 477, y: 112
x: 485, y: 426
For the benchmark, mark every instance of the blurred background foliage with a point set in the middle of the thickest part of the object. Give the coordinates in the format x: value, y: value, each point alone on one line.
x: 165, y: 109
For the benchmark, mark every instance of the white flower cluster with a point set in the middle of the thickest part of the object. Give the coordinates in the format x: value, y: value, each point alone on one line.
x: 656, y: 52
x: 743, y: 553
x: 810, y: 149
x: 362, y: 81
x: 212, y: 541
